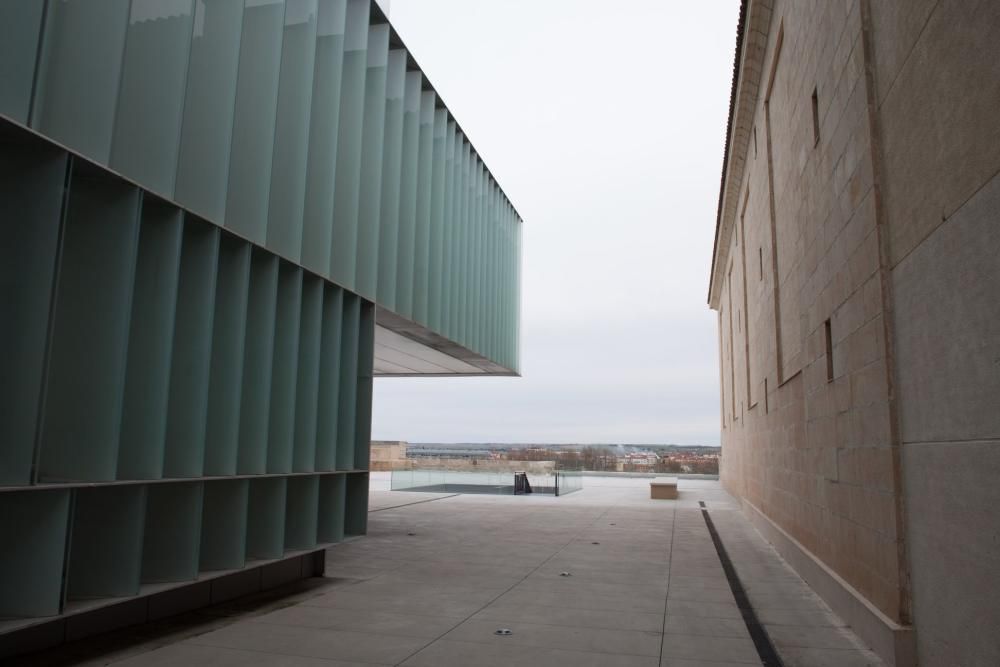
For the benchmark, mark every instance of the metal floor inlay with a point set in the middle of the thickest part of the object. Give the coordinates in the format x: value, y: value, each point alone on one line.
x: 762, y: 642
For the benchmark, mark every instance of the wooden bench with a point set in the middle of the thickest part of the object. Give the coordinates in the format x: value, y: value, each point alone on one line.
x: 663, y: 488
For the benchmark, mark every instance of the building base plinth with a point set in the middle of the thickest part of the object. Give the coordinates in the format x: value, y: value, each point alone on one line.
x: 894, y: 643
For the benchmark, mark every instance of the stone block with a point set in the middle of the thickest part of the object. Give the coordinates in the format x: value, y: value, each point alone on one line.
x: 663, y: 488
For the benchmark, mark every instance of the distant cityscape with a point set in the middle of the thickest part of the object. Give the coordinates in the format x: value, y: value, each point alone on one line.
x: 666, y: 458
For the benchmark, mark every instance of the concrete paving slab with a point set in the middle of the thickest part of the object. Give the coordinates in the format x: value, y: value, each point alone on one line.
x: 616, y: 602
x: 720, y: 649
x: 591, y: 640
x: 500, y: 613
x: 448, y: 653
x: 377, y: 622
x: 456, y: 604
x: 217, y: 656
x: 818, y: 657
x: 703, y: 609
x: 383, y: 649
x: 679, y: 591
x: 551, y: 583
x: 694, y: 626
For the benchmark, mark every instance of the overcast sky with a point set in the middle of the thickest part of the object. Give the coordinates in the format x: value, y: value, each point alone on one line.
x: 604, y: 122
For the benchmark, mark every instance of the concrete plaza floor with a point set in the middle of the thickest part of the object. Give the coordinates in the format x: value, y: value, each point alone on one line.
x: 439, y: 574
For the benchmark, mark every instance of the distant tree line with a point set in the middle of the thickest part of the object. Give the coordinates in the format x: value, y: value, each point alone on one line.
x: 587, y: 458
x: 605, y: 459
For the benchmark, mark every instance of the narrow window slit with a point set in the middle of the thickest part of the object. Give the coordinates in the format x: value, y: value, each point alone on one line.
x: 815, y: 109
x: 829, y: 351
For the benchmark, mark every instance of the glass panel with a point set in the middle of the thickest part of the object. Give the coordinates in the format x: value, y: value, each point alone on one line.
x: 86, y: 364
x: 408, y: 194
x: 347, y: 422
x: 266, y: 518
x: 301, y: 512
x: 281, y: 424
x: 488, y: 292
x: 370, y: 195
x: 224, y: 525
x: 151, y: 333
x: 172, y: 532
x: 22, y: 21
x: 568, y: 481
x: 329, y: 378
x: 32, y: 183
x: 494, y: 482
x: 435, y: 265
x: 106, y: 543
x: 451, y: 188
x: 356, y: 508
x: 332, y: 498
x: 253, y: 120
x: 323, y: 127
x: 150, y: 104
x: 191, y: 358
x: 344, y: 243
x: 392, y: 153
x: 366, y: 359
x: 31, y: 564
x: 475, y: 297
x: 257, y: 363
x: 291, y: 133
x: 226, y: 374
x: 308, y: 379
x: 422, y: 238
x: 78, y: 76
x: 462, y: 285
x: 206, y: 132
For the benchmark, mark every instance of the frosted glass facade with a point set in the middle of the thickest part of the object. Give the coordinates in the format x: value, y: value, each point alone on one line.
x: 205, y: 205
x: 301, y: 125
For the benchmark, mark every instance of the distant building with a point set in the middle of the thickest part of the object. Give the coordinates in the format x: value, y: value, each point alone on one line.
x: 385, y: 455
x: 855, y: 276
x: 639, y: 461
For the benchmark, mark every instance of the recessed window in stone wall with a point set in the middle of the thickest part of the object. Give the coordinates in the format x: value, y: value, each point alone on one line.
x: 829, y: 351
x: 815, y: 110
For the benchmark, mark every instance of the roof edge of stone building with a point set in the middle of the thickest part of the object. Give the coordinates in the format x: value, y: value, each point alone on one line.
x: 751, y: 38
x: 740, y: 24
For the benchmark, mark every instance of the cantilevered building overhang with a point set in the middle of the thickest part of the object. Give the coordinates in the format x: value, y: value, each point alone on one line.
x: 220, y: 219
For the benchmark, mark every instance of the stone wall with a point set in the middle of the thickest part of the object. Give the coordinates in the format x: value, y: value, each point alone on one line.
x: 387, y: 454
x: 855, y: 277
x: 937, y: 71
x: 806, y: 435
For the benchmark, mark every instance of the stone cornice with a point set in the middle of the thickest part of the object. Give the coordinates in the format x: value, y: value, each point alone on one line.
x: 751, y: 44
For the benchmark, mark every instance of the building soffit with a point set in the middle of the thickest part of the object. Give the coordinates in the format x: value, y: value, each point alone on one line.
x: 751, y: 44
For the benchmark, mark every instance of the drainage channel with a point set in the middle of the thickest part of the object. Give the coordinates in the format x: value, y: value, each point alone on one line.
x: 762, y: 642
